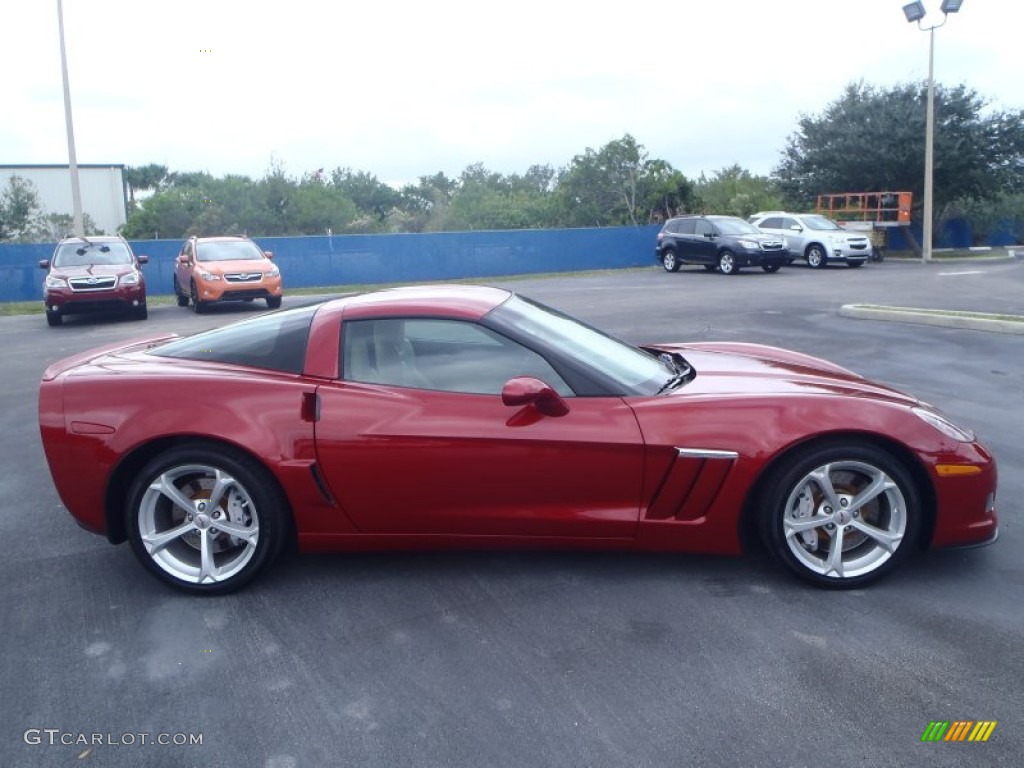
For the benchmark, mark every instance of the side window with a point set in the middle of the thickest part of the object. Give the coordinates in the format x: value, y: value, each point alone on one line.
x: 686, y: 226
x: 772, y: 222
x: 187, y: 250
x: 441, y: 355
x: 788, y: 223
x: 704, y: 227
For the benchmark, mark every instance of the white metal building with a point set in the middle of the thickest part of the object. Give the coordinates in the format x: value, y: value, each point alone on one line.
x: 102, y: 188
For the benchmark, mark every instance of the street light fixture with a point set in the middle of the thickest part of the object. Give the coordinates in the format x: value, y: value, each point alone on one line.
x: 915, y: 12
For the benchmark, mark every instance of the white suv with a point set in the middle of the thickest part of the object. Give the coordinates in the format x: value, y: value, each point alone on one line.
x: 815, y: 238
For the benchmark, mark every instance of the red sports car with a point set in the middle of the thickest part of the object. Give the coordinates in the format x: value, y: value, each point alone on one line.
x: 463, y: 416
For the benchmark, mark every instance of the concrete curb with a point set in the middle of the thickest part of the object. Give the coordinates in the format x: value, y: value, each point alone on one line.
x: 975, y: 322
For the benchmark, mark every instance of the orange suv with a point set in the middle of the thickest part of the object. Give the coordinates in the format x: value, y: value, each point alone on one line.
x: 215, y: 269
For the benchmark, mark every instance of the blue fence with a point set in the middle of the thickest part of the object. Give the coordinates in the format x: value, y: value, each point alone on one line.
x: 357, y: 259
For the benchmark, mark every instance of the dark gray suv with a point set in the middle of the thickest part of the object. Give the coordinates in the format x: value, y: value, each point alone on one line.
x: 725, y: 243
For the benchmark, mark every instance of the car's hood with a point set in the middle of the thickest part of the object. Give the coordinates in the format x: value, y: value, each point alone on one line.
x: 93, y: 270
x: 754, y: 369
x: 236, y: 265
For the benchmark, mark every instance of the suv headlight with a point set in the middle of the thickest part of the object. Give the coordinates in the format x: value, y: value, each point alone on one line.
x: 274, y: 272
x: 209, y: 276
x: 132, y: 278
x: 752, y: 245
x: 944, y: 425
x: 55, y: 282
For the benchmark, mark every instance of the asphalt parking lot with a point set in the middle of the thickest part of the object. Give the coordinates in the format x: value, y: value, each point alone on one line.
x: 539, y: 659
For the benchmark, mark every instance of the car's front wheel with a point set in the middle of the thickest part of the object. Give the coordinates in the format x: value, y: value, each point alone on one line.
x: 53, y: 319
x: 841, y: 515
x: 727, y: 263
x: 854, y: 264
x: 670, y: 262
x: 816, y: 258
x: 180, y: 295
x: 770, y: 268
x: 140, y: 312
x: 205, y: 520
x: 273, y: 302
x: 198, y: 306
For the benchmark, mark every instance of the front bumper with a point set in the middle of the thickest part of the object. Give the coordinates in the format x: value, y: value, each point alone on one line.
x: 760, y: 258
x: 64, y: 301
x: 222, y: 290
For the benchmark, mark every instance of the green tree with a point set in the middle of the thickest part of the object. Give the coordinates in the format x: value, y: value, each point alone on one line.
x: 19, y: 209
x: 142, y: 178
x: 373, y: 198
x: 51, y: 227
x: 872, y: 139
x: 619, y: 185
x: 737, y: 192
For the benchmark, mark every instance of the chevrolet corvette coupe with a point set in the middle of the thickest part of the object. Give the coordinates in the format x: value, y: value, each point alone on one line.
x: 466, y: 416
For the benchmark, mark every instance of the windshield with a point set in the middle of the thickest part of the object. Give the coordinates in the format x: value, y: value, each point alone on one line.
x: 228, y: 250
x: 634, y: 370
x: 820, y: 222
x: 82, y: 254
x: 735, y: 227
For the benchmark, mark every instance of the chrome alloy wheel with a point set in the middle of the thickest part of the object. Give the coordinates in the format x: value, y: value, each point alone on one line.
x: 198, y: 523
x: 845, y: 519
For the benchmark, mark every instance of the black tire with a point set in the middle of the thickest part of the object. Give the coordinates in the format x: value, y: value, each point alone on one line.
x: 816, y: 256
x: 669, y: 261
x: 727, y: 263
x: 54, y: 319
x: 182, y: 298
x: 771, y: 268
x: 854, y: 264
x: 252, y: 504
x: 273, y: 302
x: 199, y: 307
x: 140, y: 312
x: 804, y: 531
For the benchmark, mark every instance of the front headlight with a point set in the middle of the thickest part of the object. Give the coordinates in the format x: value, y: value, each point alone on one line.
x: 209, y: 276
x: 274, y: 272
x: 132, y: 278
x: 751, y: 245
x: 944, y: 425
x: 55, y: 282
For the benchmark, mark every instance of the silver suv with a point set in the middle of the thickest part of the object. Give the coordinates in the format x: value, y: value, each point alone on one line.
x: 815, y: 238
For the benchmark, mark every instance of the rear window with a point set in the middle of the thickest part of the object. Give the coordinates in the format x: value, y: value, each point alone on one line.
x: 275, y: 342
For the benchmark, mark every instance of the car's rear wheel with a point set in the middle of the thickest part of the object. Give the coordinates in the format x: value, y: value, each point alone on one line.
x: 816, y: 257
x: 841, y: 515
x: 727, y: 263
x: 198, y: 306
x: 273, y: 302
x: 180, y: 295
x: 770, y: 268
x: 53, y: 319
x: 670, y: 262
x: 205, y: 520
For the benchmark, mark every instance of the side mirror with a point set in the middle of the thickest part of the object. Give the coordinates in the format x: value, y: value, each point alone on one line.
x: 142, y: 259
x: 44, y: 264
x: 269, y: 254
x: 709, y: 235
x: 797, y: 228
x: 526, y: 390
x: 182, y: 258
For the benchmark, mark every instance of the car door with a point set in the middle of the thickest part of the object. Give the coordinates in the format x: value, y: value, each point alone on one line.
x: 183, y: 269
x: 683, y: 245
x: 704, y: 245
x: 413, y: 438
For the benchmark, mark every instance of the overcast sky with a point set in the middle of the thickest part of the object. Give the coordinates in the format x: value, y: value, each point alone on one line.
x: 403, y: 89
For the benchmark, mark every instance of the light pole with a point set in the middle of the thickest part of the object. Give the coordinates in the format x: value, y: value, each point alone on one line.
x: 915, y: 12
x: 76, y: 194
